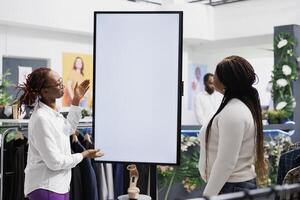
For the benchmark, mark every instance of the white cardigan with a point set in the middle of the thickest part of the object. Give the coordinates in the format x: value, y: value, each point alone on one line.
x: 231, y: 150
x: 49, y: 159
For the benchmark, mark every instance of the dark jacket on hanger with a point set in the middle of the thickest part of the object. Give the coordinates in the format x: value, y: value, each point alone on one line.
x: 15, y: 158
x: 88, y: 176
x: 99, y: 171
x: 76, y: 187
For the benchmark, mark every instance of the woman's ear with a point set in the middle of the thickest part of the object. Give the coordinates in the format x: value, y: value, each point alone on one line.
x: 44, y: 92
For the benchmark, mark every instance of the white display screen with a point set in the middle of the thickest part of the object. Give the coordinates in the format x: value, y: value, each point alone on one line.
x: 137, y: 81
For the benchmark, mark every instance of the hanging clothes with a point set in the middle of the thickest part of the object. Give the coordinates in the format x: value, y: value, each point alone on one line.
x: 88, y: 175
x: 110, y: 180
x: 293, y: 176
x: 287, y: 161
x: 14, y: 162
x: 104, y: 173
x: 118, y: 175
x: 76, y: 186
x: 99, y: 170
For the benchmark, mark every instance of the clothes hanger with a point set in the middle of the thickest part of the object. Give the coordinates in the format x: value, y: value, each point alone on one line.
x: 19, y: 135
x: 74, y: 138
x: 87, y: 137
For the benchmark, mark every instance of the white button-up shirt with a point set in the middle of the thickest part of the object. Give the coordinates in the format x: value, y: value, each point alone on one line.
x: 49, y: 159
x: 206, y: 105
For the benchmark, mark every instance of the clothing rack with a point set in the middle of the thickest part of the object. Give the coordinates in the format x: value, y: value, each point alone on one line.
x: 20, y: 125
x: 23, y: 123
x: 258, y: 194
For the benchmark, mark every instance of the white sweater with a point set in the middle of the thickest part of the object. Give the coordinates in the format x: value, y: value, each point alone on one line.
x: 231, y: 150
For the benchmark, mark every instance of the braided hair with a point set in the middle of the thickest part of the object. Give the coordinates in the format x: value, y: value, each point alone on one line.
x: 31, y: 88
x: 237, y: 75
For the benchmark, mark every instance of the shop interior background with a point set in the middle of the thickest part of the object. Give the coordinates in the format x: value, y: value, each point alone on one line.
x: 210, y: 32
x: 50, y: 30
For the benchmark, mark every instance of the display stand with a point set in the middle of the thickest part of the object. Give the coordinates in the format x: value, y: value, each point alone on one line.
x: 141, y: 197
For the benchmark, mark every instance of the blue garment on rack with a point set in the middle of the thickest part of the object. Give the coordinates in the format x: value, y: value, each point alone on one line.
x: 88, y: 175
x: 84, y: 131
x: 118, y: 179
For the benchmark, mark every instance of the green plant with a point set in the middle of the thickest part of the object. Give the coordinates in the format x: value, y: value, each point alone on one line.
x: 85, y: 113
x: 284, y: 73
x: 187, y: 173
x: 5, y: 98
x: 275, y: 116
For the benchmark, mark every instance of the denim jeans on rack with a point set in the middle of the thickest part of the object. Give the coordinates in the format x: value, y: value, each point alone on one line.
x: 238, y: 186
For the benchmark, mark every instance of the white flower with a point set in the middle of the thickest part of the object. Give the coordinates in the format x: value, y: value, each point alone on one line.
x: 281, y: 105
x: 298, y: 59
x: 190, y: 144
x: 286, y: 70
x: 184, y: 148
x: 294, y: 104
x: 281, y: 82
x: 282, y: 43
x: 193, y: 139
x: 290, y: 52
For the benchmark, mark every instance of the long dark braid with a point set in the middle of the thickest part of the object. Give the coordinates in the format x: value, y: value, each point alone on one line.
x: 31, y: 89
x: 238, y: 76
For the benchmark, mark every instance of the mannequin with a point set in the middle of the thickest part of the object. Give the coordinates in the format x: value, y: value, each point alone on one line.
x: 133, y: 191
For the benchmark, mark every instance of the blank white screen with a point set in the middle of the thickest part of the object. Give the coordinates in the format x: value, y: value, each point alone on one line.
x: 136, y: 86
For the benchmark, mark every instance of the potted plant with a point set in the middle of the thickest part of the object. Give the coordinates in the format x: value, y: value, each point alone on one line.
x: 277, y: 116
x: 284, y: 73
x: 5, y: 98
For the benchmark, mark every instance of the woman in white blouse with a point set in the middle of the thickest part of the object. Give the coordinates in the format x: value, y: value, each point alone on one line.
x: 49, y: 162
x: 232, y: 154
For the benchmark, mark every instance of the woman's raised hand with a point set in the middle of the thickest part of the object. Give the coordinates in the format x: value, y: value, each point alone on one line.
x: 79, y: 91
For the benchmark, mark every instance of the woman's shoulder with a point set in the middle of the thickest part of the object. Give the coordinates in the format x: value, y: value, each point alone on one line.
x: 236, y: 109
x: 39, y: 115
x: 235, y: 103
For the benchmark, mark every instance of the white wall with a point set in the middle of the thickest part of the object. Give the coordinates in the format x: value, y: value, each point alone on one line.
x: 2, y: 44
x: 198, y: 20
x: 242, y: 19
x: 34, y: 43
x: 77, y: 16
x: 64, y: 15
x: 42, y: 44
x: 254, y: 17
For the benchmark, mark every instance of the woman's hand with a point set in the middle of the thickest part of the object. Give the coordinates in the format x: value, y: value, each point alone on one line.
x: 92, y: 153
x: 79, y: 91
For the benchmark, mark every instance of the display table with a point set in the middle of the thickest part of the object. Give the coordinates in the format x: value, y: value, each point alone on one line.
x: 141, y: 197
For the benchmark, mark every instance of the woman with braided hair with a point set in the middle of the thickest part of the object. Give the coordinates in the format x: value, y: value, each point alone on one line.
x: 232, y: 154
x: 49, y: 162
